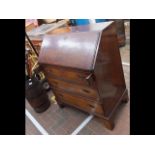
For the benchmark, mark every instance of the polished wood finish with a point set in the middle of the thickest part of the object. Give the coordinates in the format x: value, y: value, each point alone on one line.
x: 85, y: 70
x: 73, y: 48
x: 82, y: 103
x: 74, y: 88
x: 79, y: 77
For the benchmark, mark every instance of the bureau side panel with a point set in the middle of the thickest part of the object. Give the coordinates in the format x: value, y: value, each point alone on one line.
x: 108, y: 71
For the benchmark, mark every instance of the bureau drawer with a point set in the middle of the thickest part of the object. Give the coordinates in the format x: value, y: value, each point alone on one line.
x: 81, y: 103
x: 84, y: 77
x: 74, y: 88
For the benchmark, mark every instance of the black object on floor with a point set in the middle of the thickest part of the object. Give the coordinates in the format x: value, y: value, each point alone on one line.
x: 36, y: 95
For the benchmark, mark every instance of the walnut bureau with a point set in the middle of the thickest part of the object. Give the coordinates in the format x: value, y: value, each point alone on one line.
x: 85, y: 71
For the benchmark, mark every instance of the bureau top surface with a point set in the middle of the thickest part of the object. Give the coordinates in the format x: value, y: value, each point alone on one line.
x: 75, y: 50
x: 91, y: 27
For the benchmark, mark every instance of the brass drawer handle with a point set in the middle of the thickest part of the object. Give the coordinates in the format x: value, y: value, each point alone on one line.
x: 48, y: 71
x: 85, y: 90
x: 91, y: 106
x: 80, y: 76
x: 60, y: 95
x: 55, y: 83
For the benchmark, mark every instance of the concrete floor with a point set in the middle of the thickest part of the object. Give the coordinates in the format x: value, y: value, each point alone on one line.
x: 64, y: 121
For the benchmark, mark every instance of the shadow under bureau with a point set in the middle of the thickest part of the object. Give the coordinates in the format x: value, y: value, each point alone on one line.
x: 85, y: 71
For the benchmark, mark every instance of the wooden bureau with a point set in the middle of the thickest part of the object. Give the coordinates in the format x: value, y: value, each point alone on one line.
x: 85, y: 70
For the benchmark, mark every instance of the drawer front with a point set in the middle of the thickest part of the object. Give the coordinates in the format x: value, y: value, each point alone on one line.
x: 80, y: 103
x: 84, y: 78
x: 74, y: 88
